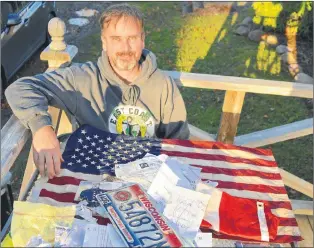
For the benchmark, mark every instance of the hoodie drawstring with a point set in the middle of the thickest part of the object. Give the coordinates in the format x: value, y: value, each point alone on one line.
x: 131, y: 95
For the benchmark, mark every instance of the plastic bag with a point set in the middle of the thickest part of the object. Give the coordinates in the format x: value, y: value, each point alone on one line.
x: 38, y: 220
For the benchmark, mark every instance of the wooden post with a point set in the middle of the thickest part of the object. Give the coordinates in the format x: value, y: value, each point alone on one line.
x: 58, y: 54
x: 230, y: 117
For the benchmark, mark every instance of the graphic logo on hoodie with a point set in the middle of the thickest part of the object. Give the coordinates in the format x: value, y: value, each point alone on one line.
x: 131, y: 120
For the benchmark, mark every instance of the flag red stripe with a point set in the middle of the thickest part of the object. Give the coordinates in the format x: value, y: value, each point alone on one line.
x: 239, y: 172
x: 287, y: 222
x: 287, y: 239
x: 217, y: 146
x: 277, y: 204
x: 60, y: 197
x: 65, y: 180
x: 210, y: 157
x: 250, y: 187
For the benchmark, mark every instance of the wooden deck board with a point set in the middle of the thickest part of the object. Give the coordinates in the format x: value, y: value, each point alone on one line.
x: 306, y: 230
x: 311, y: 221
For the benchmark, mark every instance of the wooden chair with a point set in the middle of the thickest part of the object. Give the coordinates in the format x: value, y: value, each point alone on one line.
x: 14, y: 135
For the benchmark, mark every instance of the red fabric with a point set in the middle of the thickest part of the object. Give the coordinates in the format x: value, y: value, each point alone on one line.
x: 238, y: 217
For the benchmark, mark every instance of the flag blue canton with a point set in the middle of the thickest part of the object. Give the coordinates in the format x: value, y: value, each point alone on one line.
x: 93, y: 151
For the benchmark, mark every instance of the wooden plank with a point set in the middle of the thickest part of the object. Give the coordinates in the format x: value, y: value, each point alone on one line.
x: 230, y: 117
x: 60, y: 121
x: 29, y: 176
x: 297, y: 183
x: 311, y: 220
x: 13, y: 137
x: 306, y: 231
x: 66, y: 125
x: 302, y: 207
x: 276, y: 134
x: 261, y: 86
x: 199, y: 134
x: 62, y: 56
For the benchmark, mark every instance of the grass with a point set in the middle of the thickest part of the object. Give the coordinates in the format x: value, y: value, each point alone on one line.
x: 205, y: 43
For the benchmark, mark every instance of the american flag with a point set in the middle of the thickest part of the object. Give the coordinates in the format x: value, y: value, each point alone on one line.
x: 90, y: 155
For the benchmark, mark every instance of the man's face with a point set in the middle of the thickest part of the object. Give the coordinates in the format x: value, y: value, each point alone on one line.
x: 123, y: 41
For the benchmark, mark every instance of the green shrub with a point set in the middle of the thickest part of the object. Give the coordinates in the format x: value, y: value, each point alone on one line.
x: 290, y: 13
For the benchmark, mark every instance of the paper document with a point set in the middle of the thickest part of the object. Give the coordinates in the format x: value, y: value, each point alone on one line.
x: 114, y: 238
x: 172, y: 173
x: 162, y: 186
x: 203, y: 240
x: 70, y: 236
x: 188, y: 176
x: 95, y: 236
x: 186, y: 211
x: 141, y: 171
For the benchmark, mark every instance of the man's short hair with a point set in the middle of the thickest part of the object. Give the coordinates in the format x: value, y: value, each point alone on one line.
x: 118, y: 11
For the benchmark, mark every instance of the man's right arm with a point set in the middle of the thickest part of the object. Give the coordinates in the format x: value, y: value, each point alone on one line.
x: 29, y: 98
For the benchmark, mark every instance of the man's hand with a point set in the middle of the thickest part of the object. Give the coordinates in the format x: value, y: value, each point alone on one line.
x: 46, y: 152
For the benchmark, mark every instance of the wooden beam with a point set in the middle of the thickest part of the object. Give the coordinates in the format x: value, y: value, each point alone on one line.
x: 296, y: 183
x: 260, y: 86
x: 199, y: 134
x: 302, y: 207
x: 29, y: 176
x: 276, y: 134
x: 13, y: 138
x: 230, y: 117
x: 62, y: 56
x: 306, y: 231
x: 311, y: 220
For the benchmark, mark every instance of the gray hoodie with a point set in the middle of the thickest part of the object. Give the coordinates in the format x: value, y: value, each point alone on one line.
x: 151, y: 106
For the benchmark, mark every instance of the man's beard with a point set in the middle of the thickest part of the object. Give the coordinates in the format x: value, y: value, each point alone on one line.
x: 125, y: 61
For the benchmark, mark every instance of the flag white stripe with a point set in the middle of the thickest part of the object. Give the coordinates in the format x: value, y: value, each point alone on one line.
x: 225, y: 152
x: 283, y: 212
x: 60, y: 189
x: 50, y: 201
x: 288, y: 230
x: 227, y: 165
x: 83, y: 176
x: 243, y: 179
x: 256, y: 195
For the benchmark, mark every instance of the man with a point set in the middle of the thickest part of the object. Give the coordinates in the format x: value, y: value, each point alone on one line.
x: 125, y: 82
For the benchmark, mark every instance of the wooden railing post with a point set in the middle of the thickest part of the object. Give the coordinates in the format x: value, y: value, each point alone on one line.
x: 58, y: 54
x: 230, y: 117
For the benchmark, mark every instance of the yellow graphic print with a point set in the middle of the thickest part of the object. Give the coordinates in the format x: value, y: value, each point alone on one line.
x: 131, y: 121
x: 131, y: 125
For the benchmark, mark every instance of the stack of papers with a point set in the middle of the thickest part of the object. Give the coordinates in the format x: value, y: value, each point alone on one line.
x: 173, y: 190
x: 141, y: 171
